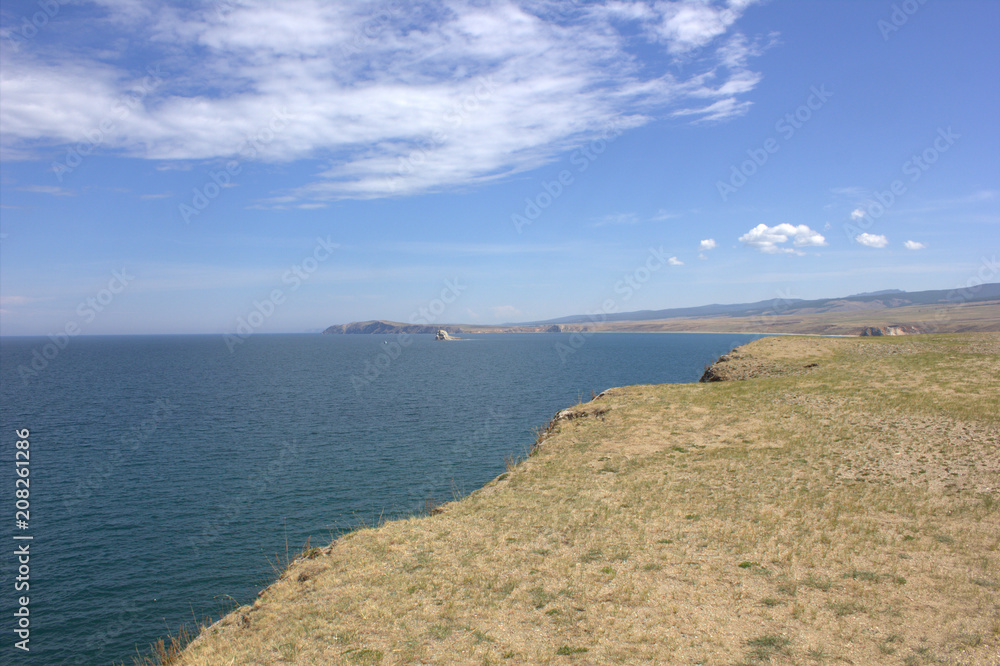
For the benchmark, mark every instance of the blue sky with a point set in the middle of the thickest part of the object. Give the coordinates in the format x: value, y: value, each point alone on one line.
x: 178, y: 167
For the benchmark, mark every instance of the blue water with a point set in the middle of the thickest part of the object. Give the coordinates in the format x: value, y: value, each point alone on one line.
x: 167, y: 472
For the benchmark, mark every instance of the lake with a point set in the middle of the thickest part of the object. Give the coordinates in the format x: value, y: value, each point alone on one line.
x: 169, y: 474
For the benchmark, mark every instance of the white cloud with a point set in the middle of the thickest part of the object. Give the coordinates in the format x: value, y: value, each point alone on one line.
x: 663, y: 214
x: 857, y: 214
x: 769, y: 239
x: 395, y: 98
x: 674, y: 261
x: 54, y: 190
x: 872, y: 240
x: 913, y: 245
x: 505, y: 312
x: 707, y: 244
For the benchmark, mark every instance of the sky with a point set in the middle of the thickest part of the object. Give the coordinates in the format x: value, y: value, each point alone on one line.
x: 240, y: 166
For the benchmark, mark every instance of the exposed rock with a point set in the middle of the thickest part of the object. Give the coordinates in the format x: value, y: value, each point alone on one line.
x: 711, y: 373
x: 443, y: 335
x: 868, y: 331
x: 741, y: 364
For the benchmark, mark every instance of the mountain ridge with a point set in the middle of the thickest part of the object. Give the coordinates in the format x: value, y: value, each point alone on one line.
x: 930, y: 310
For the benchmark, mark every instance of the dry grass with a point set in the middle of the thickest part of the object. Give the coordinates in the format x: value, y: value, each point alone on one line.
x: 939, y: 318
x: 842, y: 513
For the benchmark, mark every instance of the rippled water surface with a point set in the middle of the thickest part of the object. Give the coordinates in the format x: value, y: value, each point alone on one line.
x: 167, y: 473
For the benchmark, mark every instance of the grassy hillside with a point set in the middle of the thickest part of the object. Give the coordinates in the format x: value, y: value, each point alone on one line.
x: 845, y: 512
x: 951, y: 318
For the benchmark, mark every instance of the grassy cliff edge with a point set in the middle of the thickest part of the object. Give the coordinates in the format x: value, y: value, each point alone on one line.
x: 838, y: 504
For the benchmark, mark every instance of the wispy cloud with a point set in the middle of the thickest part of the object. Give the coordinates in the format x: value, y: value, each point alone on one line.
x: 505, y: 312
x: 48, y: 189
x: 913, y: 245
x: 616, y: 219
x: 492, y: 249
x: 663, y: 215
x: 395, y: 98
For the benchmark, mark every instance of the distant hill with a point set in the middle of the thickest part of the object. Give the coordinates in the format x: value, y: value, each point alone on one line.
x: 878, y: 293
x: 890, y: 298
x: 927, y: 311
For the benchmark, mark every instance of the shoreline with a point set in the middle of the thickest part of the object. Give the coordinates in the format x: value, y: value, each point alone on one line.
x: 477, y: 554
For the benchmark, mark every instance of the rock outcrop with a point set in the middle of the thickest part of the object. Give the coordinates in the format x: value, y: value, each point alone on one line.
x: 443, y: 335
x: 868, y: 331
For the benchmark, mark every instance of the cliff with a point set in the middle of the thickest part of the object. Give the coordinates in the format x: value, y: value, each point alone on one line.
x: 870, y: 331
x: 840, y: 502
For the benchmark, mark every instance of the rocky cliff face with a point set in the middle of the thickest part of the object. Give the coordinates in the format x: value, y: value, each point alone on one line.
x: 889, y: 330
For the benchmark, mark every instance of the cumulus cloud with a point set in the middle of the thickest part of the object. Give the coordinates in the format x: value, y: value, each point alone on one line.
x: 707, y: 244
x: 390, y: 98
x: 771, y: 240
x: 913, y: 245
x: 674, y: 261
x: 857, y: 214
x: 872, y: 240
